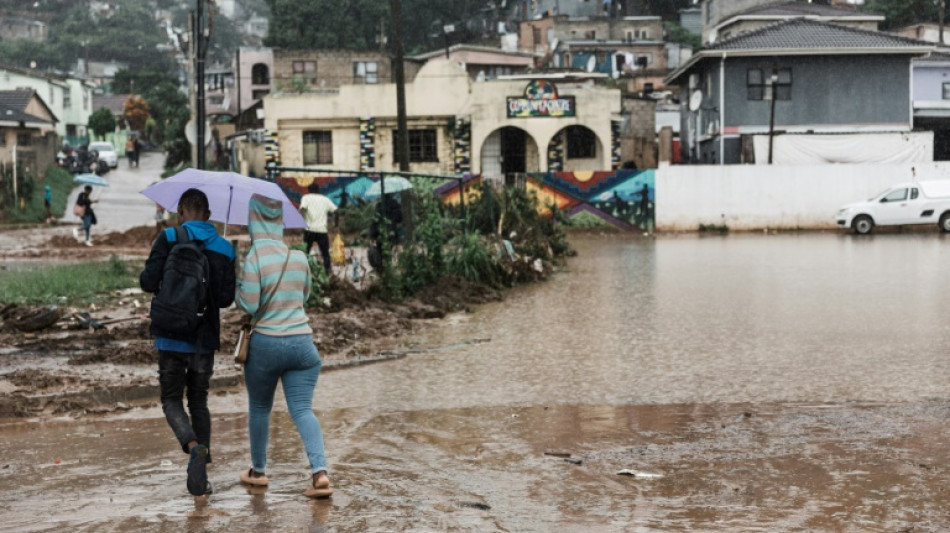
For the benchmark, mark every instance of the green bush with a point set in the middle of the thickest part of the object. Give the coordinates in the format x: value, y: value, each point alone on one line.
x: 473, y: 258
x: 60, y: 182
x: 319, y: 280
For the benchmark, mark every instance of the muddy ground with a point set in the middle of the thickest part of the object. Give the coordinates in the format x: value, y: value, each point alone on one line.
x: 69, y: 368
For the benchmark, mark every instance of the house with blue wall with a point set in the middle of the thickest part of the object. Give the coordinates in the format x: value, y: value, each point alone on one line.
x: 826, y: 79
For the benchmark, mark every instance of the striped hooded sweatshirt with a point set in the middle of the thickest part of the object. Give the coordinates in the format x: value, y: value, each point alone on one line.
x: 284, y: 313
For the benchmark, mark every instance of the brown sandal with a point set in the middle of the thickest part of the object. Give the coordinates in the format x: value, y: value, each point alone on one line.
x: 254, y: 478
x: 319, y: 486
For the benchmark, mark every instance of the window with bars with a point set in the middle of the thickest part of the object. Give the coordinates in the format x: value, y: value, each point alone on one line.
x: 318, y: 148
x: 365, y: 71
x: 423, y: 147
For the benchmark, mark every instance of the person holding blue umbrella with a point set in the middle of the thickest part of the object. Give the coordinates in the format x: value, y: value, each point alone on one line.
x: 84, y: 205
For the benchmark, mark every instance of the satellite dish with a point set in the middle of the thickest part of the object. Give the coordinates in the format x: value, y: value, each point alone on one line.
x: 191, y: 132
x: 591, y: 64
x: 695, y: 100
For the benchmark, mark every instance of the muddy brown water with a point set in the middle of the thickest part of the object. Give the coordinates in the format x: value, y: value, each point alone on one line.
x: 743, y: 383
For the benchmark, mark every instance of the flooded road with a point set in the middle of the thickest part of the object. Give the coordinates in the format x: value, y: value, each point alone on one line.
x: 742, y: 383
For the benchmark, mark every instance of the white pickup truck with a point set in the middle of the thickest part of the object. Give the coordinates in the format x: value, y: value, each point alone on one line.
x: 918, y: 202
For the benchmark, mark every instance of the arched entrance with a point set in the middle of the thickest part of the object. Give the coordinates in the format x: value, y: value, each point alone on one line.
x: 575, y: 148
x: 507, y: 151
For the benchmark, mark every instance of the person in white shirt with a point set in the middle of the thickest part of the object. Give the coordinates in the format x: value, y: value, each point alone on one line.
x: 316, y: 208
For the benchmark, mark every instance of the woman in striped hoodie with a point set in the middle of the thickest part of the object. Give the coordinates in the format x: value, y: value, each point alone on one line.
x: 282, y: 346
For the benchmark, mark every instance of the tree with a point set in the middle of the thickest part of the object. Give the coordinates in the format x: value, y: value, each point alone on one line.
x: 135, y: 111
x: 102, y: 121
x: 129, y: 81
x: 900, y: 13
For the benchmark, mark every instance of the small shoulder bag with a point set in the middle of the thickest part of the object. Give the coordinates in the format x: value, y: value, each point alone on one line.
x: 247, y: 329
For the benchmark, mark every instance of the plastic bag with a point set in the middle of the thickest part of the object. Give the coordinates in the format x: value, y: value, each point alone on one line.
x: 336, y: 251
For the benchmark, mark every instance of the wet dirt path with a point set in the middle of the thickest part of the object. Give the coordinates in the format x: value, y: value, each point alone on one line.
x: 744, y: 384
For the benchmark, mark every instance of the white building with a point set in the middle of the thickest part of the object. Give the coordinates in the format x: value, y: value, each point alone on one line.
x: 69, y: 99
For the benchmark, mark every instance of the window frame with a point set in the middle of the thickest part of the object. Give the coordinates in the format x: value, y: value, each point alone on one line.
x: 370, y: 76
x: 318, y: 139
x: 423, y: 145
x: 946, y: 90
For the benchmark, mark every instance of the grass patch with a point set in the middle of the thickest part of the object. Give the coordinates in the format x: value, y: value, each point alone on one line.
x: 60, y: 183
x: 78, y: 284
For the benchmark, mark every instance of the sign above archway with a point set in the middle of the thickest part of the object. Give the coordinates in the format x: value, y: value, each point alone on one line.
x: 540, y: 100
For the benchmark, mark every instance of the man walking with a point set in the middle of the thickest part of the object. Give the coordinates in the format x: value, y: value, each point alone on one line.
x: 316, y: 209
x: 186, y: 354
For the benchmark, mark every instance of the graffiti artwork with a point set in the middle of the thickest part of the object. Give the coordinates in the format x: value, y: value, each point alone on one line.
x: 621, y: 198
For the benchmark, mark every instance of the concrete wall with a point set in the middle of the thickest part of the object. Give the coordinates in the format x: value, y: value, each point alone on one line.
x: 780, y: 197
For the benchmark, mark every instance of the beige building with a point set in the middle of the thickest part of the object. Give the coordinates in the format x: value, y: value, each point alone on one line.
x: 329, y: 69
x: 482, y: 62
x: 542, y: 35
x: 456, y: 125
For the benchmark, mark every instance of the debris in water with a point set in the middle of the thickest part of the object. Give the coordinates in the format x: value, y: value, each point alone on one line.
x: 557, y: 453
x: 638, y: 475
x: 574, y: 460
x: 476, y: 505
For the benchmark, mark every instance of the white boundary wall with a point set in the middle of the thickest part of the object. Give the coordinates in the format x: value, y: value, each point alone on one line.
x: 755, y: 197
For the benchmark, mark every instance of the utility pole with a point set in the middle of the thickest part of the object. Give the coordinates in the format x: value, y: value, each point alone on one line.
x: 201, y: 42
x: 402, y: 133
x: 237, y: 82
x: 942, y: 10
x: 192, y: 86
x: 772, y: 80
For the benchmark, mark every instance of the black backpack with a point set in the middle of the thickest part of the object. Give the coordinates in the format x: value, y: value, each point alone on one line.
x: 179, y: 306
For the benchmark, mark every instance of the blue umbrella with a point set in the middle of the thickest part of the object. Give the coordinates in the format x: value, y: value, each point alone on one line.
x: 90, y: 179
x: 393, y: 185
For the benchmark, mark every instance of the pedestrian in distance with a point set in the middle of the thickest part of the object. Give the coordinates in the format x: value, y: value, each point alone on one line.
x: 84, y: 201
x: 48, y: 204
x: 316, y: 209
x: 384, y: 231
x: 274, y: 284
x: 186, y: 324
x: 130, y: 151
x: 137, y: 149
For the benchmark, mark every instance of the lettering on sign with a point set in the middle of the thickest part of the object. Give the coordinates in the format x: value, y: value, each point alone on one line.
x: 540, y: 100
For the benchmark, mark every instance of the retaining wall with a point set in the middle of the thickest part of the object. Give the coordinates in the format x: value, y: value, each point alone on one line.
x: 756, y: 197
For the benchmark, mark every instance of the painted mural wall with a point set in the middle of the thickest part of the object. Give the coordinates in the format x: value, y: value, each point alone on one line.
x: 624, y: 199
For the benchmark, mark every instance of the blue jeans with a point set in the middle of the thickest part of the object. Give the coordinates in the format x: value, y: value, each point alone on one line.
x: 186, y: 374
x: 295, y: 362
x: 86, y: 223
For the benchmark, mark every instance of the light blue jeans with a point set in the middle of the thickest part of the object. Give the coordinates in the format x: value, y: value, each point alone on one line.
x: 295, y: 362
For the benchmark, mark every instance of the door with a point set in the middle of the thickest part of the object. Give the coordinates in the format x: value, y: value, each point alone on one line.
x: 898, y: 207
x: 513, y: 152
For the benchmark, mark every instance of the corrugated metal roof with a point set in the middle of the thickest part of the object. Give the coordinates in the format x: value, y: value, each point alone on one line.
x: 804, y: 34
x: 792, y: 9
x: 16, y: 99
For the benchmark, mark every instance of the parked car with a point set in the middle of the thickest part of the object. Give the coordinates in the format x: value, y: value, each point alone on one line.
x: 919, y: 202
x: 107, y: 153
